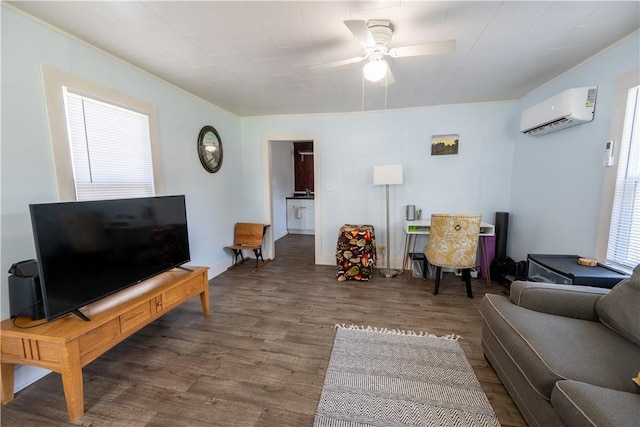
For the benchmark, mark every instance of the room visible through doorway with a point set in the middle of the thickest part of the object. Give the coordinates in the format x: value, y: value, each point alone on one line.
x: 294, y: 203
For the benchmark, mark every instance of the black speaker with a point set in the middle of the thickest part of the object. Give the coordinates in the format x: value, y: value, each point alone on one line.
x: 502, y: 226
x: 25, y: 295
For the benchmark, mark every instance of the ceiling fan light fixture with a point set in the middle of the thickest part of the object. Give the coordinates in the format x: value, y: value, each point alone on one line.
x: 375, y: 70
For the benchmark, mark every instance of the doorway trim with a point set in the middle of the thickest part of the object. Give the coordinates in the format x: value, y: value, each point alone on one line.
x: 267, y: 141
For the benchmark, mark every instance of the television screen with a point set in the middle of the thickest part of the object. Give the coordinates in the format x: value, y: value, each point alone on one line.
x: 88, y: 250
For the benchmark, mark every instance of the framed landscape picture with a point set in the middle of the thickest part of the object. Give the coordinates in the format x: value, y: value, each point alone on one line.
x: 444, y: 144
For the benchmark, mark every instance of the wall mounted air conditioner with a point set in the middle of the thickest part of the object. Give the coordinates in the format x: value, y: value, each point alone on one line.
x: 569, y: 108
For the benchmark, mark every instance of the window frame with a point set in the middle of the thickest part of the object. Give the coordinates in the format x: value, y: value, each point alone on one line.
x: 625, y: 83
x: 54, y: 83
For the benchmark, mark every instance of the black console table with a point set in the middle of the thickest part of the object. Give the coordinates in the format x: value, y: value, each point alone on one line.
x: 564, y: 269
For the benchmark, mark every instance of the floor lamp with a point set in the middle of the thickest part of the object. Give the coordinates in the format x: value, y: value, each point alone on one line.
x: 387, y: 175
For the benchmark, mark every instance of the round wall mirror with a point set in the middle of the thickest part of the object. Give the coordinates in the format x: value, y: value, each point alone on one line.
x: 210, y: 149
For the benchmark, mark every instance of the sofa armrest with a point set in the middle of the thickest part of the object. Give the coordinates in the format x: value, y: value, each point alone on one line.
x: 582, y: 404
x: 578, y: 302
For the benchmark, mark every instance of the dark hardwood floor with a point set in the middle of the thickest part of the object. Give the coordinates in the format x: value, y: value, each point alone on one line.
x: 259, y: 359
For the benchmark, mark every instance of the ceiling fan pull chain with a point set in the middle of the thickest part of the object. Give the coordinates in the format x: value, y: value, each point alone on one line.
x: 386, y: 88
x: 363, y: 93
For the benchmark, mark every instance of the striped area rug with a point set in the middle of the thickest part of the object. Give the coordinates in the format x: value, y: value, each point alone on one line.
x: 381, y: 377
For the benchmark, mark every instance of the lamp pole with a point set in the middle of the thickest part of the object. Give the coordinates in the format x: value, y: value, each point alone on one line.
x: 386, y: 175
x: 388, y: 272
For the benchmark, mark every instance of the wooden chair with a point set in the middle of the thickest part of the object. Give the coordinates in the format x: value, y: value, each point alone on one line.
x: 248, y: 237
x: 453, y: 242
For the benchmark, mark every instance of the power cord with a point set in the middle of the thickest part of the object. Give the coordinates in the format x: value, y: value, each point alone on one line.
x: 22, y: 312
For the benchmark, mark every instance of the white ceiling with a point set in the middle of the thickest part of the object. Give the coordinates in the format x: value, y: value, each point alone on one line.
x: 253, y: 58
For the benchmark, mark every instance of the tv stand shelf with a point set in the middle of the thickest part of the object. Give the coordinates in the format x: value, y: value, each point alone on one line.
x: 67, y: 344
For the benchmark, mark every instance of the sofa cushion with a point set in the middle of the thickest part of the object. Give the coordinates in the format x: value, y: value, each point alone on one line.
x: 581, y: 404
x: 620, y: 309
x: 549, y: 348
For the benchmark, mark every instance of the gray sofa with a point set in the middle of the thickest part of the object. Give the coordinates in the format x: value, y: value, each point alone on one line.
x: 567, y: 354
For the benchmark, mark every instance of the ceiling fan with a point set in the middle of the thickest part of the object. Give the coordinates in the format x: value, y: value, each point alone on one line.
x: 375, y: 37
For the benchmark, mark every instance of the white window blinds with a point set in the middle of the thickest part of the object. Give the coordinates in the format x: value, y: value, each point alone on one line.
x: 624, y: 235
x: 110, y: 148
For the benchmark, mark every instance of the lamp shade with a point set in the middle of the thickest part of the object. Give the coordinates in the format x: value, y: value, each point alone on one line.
x: 387, y: 174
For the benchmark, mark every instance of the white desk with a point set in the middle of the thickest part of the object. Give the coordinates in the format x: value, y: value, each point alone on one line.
x: 423, y: 227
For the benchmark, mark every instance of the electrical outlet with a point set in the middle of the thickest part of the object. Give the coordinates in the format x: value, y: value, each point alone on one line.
x: 331, y: 186
x: 382, y: 249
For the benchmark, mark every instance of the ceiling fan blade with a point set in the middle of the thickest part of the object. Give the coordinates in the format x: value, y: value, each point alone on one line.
x: 337, y: 63
x: 361, y: 32
x: 433, y: 48
x: 388, y: 78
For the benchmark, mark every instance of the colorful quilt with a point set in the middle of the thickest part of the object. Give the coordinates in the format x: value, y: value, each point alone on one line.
x: 356, y: 252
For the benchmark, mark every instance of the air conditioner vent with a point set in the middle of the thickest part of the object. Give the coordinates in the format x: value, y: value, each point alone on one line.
x: 569, y: 108
x: 549, y: 127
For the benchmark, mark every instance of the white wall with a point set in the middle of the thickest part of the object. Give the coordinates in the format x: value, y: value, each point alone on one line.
x: 27, y: 173
x: 557, y: 178
x: 349, y: 145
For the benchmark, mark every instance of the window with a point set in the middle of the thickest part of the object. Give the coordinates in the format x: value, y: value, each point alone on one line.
x: 104, y: 143
x: 110, y: 148
x: 623, y: 247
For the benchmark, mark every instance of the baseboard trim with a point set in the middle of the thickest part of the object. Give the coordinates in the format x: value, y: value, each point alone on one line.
x: 25, y: 375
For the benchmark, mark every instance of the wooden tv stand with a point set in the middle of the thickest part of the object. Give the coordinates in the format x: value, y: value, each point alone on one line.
x: 67, y: 344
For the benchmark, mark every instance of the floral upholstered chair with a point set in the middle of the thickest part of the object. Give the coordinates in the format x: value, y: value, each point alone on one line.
x: 453, y: 242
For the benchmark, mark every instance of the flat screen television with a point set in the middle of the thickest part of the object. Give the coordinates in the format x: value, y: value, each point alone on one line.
x: 88, y: 250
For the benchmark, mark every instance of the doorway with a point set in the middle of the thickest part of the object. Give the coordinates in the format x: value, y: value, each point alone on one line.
x: 275, y: 199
